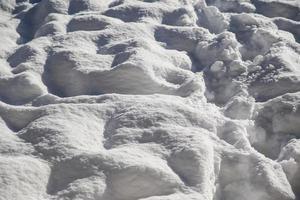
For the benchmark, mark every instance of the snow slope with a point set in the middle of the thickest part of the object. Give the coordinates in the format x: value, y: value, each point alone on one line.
x: 150, y: 100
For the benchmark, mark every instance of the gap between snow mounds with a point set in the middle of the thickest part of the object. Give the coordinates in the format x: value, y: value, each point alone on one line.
x: 50, y: 16
x: 17, y: 118
x: 286, y: 9
x: 289, y: 26
x: 10, y: 143
x: 35, y: 17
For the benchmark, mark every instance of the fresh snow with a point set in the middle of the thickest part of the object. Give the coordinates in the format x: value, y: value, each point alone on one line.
x: 150, y: 100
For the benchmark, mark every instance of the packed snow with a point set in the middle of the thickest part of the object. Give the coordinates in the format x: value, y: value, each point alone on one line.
x: 150, y: 100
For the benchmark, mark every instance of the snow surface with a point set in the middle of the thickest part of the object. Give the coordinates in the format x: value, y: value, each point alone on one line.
x: 149, y: 100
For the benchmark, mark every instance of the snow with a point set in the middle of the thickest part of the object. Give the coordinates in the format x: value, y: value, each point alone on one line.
x: 150, y: 100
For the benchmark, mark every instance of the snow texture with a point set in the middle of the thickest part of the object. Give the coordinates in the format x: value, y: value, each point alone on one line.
x: 150, y: 100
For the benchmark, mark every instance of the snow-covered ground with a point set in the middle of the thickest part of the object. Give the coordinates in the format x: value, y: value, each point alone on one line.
x: 149, y: 100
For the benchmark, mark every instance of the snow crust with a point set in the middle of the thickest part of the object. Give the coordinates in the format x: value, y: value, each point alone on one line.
x: 150, y: 100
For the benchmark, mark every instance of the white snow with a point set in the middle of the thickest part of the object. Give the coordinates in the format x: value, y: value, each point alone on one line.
x: 150, y: 100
